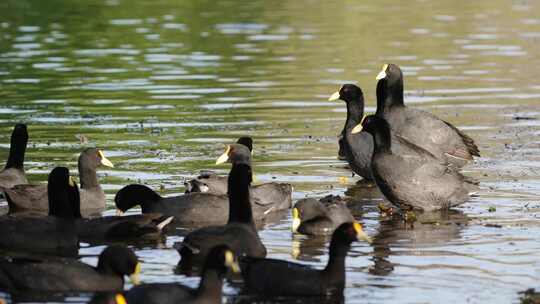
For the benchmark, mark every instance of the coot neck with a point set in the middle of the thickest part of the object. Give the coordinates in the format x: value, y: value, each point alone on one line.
x: 88, y: 177
x: 59, y: 205
x: 389, y: 95
x: 382, y: 139
x: 210, y: 286
x: 238, y: 191
x: 335, y: 269
x: 17, y: 150
x: 64, y: 203
x: 355, y: 111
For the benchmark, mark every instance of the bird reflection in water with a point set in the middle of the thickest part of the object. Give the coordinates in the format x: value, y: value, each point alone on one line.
x: 308, y: 248
x: 428, y: 230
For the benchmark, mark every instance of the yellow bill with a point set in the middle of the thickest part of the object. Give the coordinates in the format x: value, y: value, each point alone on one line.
x: 224, y: 157
x: 360, y: 234
x: 104, y: 160
x: 334, y: 96
x: 134, y: 277
x: 230, y: 262
x: 120, y: 299
x: 72, y: 181
x: 296, y: 220
x: 382, y: 73
x: 359, y: 127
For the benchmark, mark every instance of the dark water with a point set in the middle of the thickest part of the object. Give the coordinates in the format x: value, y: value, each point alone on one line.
x: 161, y: 85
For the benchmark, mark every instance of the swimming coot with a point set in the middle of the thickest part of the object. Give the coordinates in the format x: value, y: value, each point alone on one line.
x: 196, y: 209
x: 271, y: 277
x: 33, y: 198
x: 220, y: 260
x: 320, y: 217
x: 63, y: 274
x: 13, y: 173
x: 274, y: 196
x: 51, y: 235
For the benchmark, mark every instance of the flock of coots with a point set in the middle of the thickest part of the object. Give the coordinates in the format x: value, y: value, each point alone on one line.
x: 412, y: 156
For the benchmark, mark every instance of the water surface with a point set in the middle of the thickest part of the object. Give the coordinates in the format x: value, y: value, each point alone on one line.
x: 162, y: 85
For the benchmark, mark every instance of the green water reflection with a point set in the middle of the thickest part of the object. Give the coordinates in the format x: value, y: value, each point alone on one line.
x: 161, y: 85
